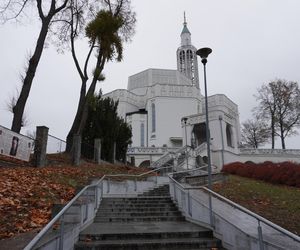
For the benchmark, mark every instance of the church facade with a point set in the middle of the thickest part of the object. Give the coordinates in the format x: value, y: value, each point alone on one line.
x: 165, y: 109
x: 158, y: 101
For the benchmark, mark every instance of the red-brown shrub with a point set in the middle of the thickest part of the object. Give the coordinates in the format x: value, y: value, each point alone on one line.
x: 287, y: 173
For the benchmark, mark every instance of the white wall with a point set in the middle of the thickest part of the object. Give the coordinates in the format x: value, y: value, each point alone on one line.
x: 169, y: 112
x: 135, y: 120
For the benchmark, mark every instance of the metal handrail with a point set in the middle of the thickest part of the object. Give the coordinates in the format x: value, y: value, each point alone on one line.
x: 245, y: 210
x: 56, y: 138
x: 256, y: 216
x: 35, y: 240
x: 182, y: 149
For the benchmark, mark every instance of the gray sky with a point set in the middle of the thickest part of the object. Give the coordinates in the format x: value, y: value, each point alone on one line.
x: 253, y: 42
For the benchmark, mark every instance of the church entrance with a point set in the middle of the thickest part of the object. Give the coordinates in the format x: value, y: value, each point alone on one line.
x: 198, y: 134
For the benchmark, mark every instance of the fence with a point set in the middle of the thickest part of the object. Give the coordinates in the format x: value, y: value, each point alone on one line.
x: 55, y: 145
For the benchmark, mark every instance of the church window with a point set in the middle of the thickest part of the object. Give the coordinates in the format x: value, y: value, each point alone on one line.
x: 142, y: 135
x: 229, y: 135
x: 153, y: 117
x: 182, y: 61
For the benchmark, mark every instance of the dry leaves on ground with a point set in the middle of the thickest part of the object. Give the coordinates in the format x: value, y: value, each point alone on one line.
x: 27, y: 194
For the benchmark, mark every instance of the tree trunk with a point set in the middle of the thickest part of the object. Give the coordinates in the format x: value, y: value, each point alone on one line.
x: 90, y: 93
x: 273, y: 132
x: 18, y: 109
x: 83, y: 105
x: 78, y: 116
x: 282, y: 135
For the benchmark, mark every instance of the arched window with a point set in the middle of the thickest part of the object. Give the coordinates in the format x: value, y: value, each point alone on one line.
x: 189, y: 54
x: 153, y: 117
x: 229, y: 135
x: 142, y: 135
x: 182, y: 61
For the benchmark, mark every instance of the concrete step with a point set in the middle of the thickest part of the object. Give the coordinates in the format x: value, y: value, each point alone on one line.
x: 150, y: 244
x: 135, y: 209
x: 138, y: 206
x: 144, y: 234
x: 138, y: 214
x: 138, y: 199
x: 139, y: 219
x: 149, y: 221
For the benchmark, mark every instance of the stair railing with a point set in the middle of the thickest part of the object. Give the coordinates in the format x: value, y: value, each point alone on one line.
x: 201, y: 148
x: 167, y: 157
x: 85, y: 204
x: 193, y: 202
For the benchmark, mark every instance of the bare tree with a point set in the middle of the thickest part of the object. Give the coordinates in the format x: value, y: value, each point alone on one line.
x: 16, y: 9
x: 106, y: 32
x: 267, y: 107
x: 254, y: 133
x: 288, y: 108
x: 279, y: 102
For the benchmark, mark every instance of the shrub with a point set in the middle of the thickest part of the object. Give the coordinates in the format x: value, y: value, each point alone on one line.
x: 287, y: 173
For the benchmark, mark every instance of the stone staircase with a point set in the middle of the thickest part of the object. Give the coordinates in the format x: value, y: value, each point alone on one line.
x: 149, y: 221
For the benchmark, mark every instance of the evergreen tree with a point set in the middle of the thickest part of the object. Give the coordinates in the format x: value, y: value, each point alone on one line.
x: 103, y: 122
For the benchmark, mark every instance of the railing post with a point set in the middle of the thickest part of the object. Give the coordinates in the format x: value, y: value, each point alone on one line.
x: 61, y: 237
x: 96, y: 197
x: 40, y: 147
x: 101, y: 189
x: 108, y: 185
x: 260, y: 236
x: 135, y: 184
x: 189, y: 203
x: 174, y: 185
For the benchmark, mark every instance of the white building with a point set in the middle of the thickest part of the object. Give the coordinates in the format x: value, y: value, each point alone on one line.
x: 165, y: 109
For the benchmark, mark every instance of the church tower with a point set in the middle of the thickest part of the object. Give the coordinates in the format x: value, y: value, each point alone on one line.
x: 186, y: 56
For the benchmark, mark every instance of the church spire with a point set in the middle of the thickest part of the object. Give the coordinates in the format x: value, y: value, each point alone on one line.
x: 186, y: 56
x: 185, y: 29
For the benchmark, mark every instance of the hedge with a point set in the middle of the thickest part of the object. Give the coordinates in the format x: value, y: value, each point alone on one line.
x: 287, y: 173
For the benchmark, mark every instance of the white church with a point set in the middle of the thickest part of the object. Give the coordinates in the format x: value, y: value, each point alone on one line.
x: 166, y: 111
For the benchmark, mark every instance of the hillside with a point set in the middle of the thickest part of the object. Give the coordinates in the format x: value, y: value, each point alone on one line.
x: 27, y: 194
x: 277, y: 203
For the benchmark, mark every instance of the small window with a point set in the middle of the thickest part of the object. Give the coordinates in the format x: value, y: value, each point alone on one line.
x: 142, y: 135
x: 153, y: 117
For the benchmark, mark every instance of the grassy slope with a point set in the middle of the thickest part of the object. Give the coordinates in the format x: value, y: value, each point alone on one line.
x: 279, y: 204
x: 27, y: 194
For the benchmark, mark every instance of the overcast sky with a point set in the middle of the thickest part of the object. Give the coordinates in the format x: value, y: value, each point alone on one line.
x: 253, y: 42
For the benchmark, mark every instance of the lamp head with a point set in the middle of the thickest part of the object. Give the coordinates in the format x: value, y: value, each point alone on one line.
x: 184, y: 119
x: 203, y: 53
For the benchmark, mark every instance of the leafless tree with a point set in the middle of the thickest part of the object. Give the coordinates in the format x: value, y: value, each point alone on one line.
x: 254, y: 133
x: 279, y: 103
x: 16, y: 10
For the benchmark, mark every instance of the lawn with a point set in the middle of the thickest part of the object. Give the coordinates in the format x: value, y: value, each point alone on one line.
x: 277, y: 203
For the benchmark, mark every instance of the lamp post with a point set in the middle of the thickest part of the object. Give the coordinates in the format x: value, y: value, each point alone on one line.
x: 220, y: 119
x: 203, y: 53
x: 186, y: 151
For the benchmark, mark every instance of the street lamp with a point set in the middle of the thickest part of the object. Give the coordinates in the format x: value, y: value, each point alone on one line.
x: 186, y: 151
x: 203, y: 53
